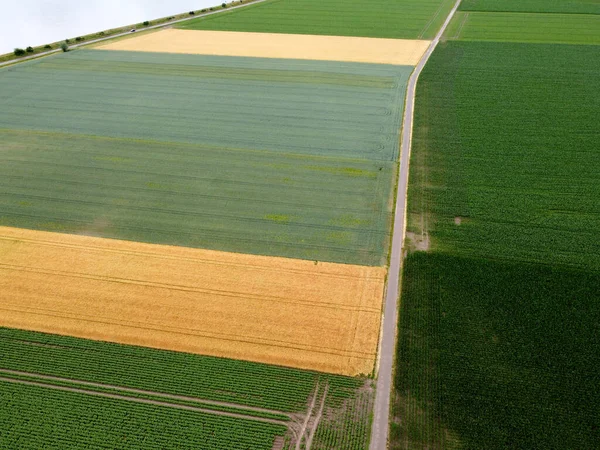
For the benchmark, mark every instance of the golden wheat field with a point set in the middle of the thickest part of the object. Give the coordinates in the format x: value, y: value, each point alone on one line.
x: 281, y: 311
x: 270, y: 45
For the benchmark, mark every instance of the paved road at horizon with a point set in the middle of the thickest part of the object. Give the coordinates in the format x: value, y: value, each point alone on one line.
x: 381, y: 413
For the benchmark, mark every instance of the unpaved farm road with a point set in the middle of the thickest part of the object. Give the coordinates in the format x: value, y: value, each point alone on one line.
x: 162, y: 25
x: 381, y: 413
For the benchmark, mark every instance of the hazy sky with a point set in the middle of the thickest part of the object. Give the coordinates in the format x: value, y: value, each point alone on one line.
x: 37, y: 22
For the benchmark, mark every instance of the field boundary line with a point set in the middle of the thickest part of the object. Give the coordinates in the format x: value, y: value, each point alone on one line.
x: 389, y: 326
x: 143, y: 400
x: 461, y: 26
x: 127, y: 33
x: 145, y: 392
x: 435, y: 16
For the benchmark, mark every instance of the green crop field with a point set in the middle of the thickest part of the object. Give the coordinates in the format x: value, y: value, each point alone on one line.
x: 221, y: 153
x: 541, y: 6
x: 499, y: 339
x: 532, y: 28
x: 36, y: 417
x: 289, y: 106
x: 119, y: 369
x: 399, y: 19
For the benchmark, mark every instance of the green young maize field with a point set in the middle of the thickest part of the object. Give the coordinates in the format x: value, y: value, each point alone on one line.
x: 499, y: 335
x: 347, y: 406
x: 536, y: 6
x: 36, y: 417
x: 520, y: 27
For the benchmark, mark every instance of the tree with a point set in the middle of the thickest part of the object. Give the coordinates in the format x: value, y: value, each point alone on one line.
x: 19, y: 52
x: 64, y: 47
x: 29, y: 49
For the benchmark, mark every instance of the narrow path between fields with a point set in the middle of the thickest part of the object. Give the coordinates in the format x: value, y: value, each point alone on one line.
x: 315, y: 421
x: 380, y: 428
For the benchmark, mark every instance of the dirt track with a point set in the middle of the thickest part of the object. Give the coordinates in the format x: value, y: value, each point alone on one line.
x: 389, y: 327
x: 273, y: 310
x: 267, y: 45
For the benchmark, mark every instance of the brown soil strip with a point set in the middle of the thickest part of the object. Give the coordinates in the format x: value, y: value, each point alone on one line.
x: 285, y: 46
x: 281, y: 311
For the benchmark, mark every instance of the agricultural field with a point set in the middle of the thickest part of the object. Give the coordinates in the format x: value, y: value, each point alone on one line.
x: 200, y: 221
x: 403, y: 52
x: 77, y: 392
x: 239, y: 149
x: 532, y: 28
x: 287, y: 106
x: 533, y: 6
x: 72, y: 420
x: 499, y: 337
x: 399, y: 19
x: 275, y: 310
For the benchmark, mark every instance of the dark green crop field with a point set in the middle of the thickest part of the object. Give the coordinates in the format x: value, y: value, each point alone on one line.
x: 399, y: 19
x: 117, y: 369
x: 289, y: 158
x: 36, y: 417
x: 541, y: 6
x: 532, y: 28
x: 500, y: 322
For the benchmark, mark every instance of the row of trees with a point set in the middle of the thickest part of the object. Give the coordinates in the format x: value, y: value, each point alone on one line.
x: 20, y: 52
x: 65, y: 45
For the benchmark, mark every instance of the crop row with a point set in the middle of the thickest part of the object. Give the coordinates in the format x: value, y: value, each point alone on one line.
x: 347, y: 405
x: 317, y: 107
x: 519, y: 27
x: 231, y: 200
x: 219, y: 379
x: 33, y: 416
x: 533, y: 6
x: 499, y: 322
x: 400, y: 19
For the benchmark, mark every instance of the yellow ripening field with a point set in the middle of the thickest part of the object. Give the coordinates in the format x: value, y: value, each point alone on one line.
x: 270, y: 45
x: 296, y: 313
